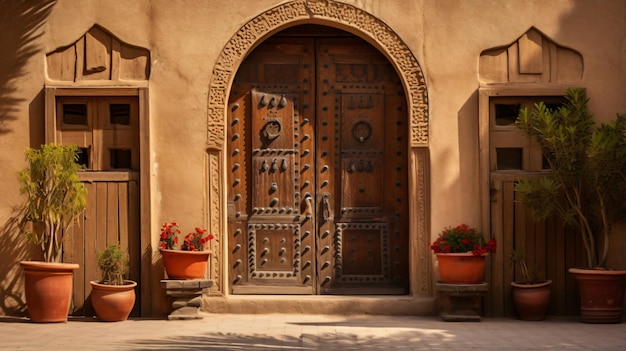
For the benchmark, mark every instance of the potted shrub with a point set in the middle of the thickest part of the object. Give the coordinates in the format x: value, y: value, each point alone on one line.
x: 531, y: 295
x: 113, y: 297
x: 461, y: 252
x: 190, y: 261
x: 55, y: 200
x: 585, y: 188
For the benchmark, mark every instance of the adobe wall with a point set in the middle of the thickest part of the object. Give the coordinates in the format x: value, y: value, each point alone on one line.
x: 185, y: 39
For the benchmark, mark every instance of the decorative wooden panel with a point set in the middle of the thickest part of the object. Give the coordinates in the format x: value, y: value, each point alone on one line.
x: 313, y: 205
x: 362, y: 175
x: 271, y: 240
x: 98, y: 55
x: 531, y: 58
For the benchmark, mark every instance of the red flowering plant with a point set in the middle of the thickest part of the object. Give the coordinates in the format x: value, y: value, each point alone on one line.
x: 193, y: 241
x: 462, y: 239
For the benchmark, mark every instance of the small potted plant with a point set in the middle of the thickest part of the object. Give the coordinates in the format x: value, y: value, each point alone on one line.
x: 55, y: 200
x: 585, y: 188
x: 191, y: 260
x: 461, y: 252
x: 531, y: 296
x: 113, y: 297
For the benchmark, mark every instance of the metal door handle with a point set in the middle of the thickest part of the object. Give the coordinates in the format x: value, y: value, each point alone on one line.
x: 326, y: 211
x: 308, y: 202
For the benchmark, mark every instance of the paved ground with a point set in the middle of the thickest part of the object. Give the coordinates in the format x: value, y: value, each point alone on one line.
x: 310, y: 332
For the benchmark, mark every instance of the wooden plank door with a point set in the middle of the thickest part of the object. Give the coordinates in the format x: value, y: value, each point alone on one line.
x: 549, y: 247
x: 361, y: 171
x: 110, y: 218
x: 317, y: 171
x: 106, y: 130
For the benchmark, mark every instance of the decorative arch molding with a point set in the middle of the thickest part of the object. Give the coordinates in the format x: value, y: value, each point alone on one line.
x: 332, y: 12
x: 341, y: 15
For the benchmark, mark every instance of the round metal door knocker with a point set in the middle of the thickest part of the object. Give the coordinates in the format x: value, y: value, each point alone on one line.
x: 272, y: 129
x: 362, y: 131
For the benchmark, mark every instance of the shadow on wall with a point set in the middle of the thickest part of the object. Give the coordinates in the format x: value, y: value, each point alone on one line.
x: 13, y: 302
x: 20, y: 24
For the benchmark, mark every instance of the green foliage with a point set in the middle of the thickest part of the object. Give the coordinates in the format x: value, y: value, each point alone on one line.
x: 519, y: 259
x: 586, y: 185
x: 113, y: 264
x: 55, y: 196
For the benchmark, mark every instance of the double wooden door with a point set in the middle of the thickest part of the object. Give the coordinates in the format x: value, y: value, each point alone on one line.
x: 317, y: 171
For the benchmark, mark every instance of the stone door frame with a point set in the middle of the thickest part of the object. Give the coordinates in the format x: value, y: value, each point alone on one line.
x: 376, y: 32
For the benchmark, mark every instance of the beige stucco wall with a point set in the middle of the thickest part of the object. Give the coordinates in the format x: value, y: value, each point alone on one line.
x: 185, y: 38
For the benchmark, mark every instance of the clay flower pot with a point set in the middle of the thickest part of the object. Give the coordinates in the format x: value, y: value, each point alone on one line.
x: 461, y: 268
x: 48, y: 289
x: 601, y: 294
x: 113, y: 303
x: 531, y: 300
x: 185, y: 264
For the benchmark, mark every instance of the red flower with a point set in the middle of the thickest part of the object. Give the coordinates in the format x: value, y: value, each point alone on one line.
x: 462, y: 238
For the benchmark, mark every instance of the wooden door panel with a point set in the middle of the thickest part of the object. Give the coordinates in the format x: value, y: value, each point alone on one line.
x: 362, y: 168
x: 270, y: 228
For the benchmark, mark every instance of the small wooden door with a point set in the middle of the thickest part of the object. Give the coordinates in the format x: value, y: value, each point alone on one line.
x: 317, y: 171
x: 106, y: 130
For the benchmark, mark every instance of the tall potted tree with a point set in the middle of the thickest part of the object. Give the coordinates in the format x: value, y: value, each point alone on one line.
x: 585, y: 188
x: 55, y: 200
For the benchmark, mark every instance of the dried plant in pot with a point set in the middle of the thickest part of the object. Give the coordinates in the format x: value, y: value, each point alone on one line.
x: 585, y: 188
x: 531, y: 296
x: 55, y: 200
x: 113, y: 297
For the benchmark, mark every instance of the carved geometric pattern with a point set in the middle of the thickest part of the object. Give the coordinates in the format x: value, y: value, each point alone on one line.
x: 256, y: 266
x: 340, y: 241
x: 423, y: 254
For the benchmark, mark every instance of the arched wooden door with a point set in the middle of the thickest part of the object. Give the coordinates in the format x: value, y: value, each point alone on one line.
x: 317, y: 170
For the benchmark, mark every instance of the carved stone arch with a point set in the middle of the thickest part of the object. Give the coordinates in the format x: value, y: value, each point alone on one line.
x: 344, y: 16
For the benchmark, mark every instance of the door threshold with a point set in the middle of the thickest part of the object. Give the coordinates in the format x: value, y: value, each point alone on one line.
x: 322, y: 304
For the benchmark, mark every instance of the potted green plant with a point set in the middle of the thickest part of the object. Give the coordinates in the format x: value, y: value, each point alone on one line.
x: 190, y: 261
x: 585, y: 188
x: 113, y: 297
x: 55, y: 200
x: 531, y: 295
x: 461, y: 252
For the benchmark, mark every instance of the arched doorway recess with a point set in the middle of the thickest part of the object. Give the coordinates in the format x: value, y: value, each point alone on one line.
x: 377, y: 33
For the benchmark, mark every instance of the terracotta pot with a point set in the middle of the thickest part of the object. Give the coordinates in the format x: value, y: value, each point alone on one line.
x: 461, y: 268
x: 601, y: 294
x: 185, y: 264
x: 531, y: 300
x: 113, y: 303
x: 48, y: 289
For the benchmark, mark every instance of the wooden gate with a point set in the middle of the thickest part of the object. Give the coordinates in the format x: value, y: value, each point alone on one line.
x: 550, y: 249
x: 110, y: 218
x: 317, y: 183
